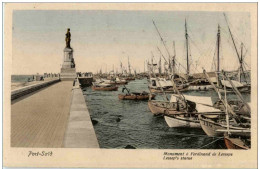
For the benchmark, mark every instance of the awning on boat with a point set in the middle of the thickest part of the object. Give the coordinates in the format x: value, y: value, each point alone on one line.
x: 165, y: 83
x: 227, y: 84
x: 204, y: 109
x: 203, y: 104
x: 213, y: 79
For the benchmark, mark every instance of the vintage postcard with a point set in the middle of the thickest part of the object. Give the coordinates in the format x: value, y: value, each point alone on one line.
x: 142, y: 85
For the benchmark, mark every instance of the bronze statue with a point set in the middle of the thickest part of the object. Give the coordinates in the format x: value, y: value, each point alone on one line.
x: 67, y: 39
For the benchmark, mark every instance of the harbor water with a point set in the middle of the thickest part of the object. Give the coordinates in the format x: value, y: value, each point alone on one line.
x: 124, y: 122
x: 21, y: 78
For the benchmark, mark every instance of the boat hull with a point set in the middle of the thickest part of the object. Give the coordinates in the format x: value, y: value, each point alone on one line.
x: 118, y: 83
x: 169, y: 90
x: 134, y: 97
x: 177, y: 121
x: 200, y: 87
x: 113, y: 88
x: 234, y: 143
x: 210, y: 127
x: 156, y: 109
x: 85, y: 81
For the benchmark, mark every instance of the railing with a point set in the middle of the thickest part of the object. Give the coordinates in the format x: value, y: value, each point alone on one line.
x: 29, y: 89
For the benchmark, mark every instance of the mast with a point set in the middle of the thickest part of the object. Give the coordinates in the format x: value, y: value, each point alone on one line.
x: 160, y: 63
x: 144, y: 66
x: 218, y: 45
x: 121, y: 65
x: 232, y: 37
x: 152, y: 60
x: 187, y: 48
x: 129, y: 69
x: 241, y: 66
x: 240, y: 59
x: 162, y: 42
x: 173, y: 58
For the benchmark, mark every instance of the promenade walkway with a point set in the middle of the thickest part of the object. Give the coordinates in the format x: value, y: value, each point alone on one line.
x: 41, y: 119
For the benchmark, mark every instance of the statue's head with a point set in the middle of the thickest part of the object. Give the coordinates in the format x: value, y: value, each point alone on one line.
x: 68, y: 29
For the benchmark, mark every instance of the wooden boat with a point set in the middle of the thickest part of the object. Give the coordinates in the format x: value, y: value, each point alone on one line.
x: 130, y: 78
x: 104, y: 88
x: 117, y: 82
x: 163, y: 107
x: 187, y: 120
x: 121, y: 82
x: 243, y: 88
x: 158, y: 107
x: 198, y: 82
x: 135, y: 96
x: 168, y: 90
x: 236, y: 143
x: 155, y: 86
x: 214, y: 126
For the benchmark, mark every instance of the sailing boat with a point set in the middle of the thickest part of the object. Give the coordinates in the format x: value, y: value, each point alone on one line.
x: 196, y: 82
x: 166, y: 82
x: 129, y: 77
x: 241, y: 86
x: 216, y: 125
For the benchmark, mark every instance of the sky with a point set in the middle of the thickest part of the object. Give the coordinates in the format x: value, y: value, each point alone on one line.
x: 101, y: 39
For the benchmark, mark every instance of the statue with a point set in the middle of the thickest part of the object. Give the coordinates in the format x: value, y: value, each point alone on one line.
x: 67, y: 39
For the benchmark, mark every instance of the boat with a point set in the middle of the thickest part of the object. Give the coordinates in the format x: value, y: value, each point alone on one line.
x: 214, y: 126
x: 239, y: 121
x: 237, y: 143
x: 129, y: 78
x: 120, y: 81
x: 135, y: 96
x: 199, y: 85
x: 188, y: 116
x: 158, y: 107
x: 186, y: 120
x: 242, y: 88
x: 156, y: 84
x: 85, y: 79
x: 103, y: 87
x: 163, y: 107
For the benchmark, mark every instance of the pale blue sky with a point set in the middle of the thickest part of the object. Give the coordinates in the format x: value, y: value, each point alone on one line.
x: 103, y: 38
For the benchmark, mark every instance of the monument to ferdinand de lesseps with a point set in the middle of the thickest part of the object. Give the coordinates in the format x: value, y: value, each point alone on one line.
x: 68, y: 70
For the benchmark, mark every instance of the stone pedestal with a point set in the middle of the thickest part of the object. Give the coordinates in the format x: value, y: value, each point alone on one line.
x: 68, y: 70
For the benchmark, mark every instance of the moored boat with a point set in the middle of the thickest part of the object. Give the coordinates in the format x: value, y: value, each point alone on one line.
x: 157, y: 107
x: 135, y: 96
x: 105, y: 88
x: 187, y: 120
x: 237, y: 143
x: 214, y: 125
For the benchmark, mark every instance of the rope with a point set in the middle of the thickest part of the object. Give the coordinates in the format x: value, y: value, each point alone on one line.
x: 210, y: 143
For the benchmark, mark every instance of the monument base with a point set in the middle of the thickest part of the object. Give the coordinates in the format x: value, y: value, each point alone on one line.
x: 68, y: 74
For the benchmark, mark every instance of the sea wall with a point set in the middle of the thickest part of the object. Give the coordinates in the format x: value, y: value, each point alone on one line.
x: 29, y: 89
x: 80, y: 132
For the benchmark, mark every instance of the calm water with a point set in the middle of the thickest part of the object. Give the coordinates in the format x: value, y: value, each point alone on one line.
x: 20, y: 78
x: 138, y: 126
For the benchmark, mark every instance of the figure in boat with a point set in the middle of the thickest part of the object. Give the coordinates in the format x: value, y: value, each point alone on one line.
x: 134, y: 95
